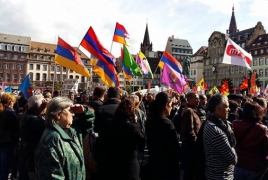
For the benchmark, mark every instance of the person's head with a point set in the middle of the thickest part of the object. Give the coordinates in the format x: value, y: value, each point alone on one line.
x: 126, y: 109
x: 71, y: 95
x: 56, y: 94
x: 7, y: 100
x: 58, y: 111
x: 21, y: 95
x: 150, y: 97
x: 162, y: 104
x: 203, y: 100
x: 84, y: 98
x: 262, y: 102
x: 192, y: 99
x: 236, y: 97
x: 183, y: 101
x: 139, y: 95
x: 99, y: 92
x: 135, y: 100
x: 208, y: 96
x: 218, y: 105
x: 35, y: 101
x: 47, y: 94
x: 252, y: 112
x: 233, y: 106
x: 113, y: 92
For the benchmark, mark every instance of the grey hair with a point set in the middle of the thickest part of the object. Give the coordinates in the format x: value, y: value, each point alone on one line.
x: 35, y: 101
x: 216, y: 100
x: 55, y: 106
x: 132, y: 96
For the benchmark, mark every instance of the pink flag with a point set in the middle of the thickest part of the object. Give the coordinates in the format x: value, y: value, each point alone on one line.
x: 173, y: 79
x: 141, y: 64
x: 235, y: 55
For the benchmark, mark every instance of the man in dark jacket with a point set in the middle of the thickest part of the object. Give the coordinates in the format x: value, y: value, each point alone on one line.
x: 201, y: 108
x: 98, y: 97
x: 32, y: 127
x: 103, y: 116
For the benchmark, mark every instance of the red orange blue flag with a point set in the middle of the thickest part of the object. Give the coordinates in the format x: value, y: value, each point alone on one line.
x: 120, y: 33
x: 66, y: 56
x: 171, y: 61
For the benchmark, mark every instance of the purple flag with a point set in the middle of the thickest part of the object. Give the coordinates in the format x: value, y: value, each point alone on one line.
x: 3, y: 85
x: 142, y: 65
x: 173, y: 79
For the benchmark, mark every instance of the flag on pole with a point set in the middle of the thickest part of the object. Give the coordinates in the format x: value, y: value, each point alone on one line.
x: 66, y: 56
x: 146, y: 63
x: 225, y: 88
x: 235, y: 55
x: 244, y: 84
x: 141, y: 64
x: 214, y: 90
x: 173, y: 79
x: 171, y: 61
x: 202, y: 84
x: 25, y: 87
x: 8, y: 89
x: 120, y: 33
x: 130, y: 62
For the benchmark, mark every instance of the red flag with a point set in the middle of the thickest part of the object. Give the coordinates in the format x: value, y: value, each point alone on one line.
x: 224, y: 88
x: 234, y: 90
x: 205, y: 86
x: 244, y: 84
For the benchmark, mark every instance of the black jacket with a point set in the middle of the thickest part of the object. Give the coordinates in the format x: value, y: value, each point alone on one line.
x: 126, y: 140
x: 202, y: 113
x: 9, y: 125
x: 163, y: 148
x: 32, y: 128
x: 95, y: 103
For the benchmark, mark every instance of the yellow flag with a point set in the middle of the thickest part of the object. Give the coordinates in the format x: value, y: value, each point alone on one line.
x: 201, y: 84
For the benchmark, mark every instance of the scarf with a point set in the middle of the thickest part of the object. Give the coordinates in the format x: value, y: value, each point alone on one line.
x: 226, y: 127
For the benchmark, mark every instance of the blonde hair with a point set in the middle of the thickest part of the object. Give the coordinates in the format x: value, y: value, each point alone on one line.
x: 6, y: 99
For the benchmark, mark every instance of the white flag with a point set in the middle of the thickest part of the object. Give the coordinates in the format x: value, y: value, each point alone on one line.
x: 235, y: 55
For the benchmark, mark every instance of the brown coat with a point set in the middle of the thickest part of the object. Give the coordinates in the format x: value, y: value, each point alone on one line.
x: 90, y: 163
x: 190, y: 124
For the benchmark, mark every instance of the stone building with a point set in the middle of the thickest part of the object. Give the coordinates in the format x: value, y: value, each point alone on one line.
x: 197, y: 64
x: 214, y: 70
x: 259, y: 51
x: 14, y: 51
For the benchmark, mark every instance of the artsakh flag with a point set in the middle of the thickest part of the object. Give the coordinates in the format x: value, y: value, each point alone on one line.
x: 235, y: 55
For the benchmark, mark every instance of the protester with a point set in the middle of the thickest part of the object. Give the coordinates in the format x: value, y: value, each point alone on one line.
x: 83, y: 99
x: 71, y: 96
x: 9, y: 133
x: 201, y: 108
x: 190, y: 126
x: 233, y: 114
x: 32, y: 128
x: 104, y: 115
x: 238, y: 98
x: 252, y: 141
x: 126, y: 140
x: 263, y: 103
x: 219, y: 141
x: 177, y: 118
x: 141, y: 117
x: 59, y: 155
x: 162, y: 140
x: 98, y: 97
x: 56, y: 94
x: 47, y: 94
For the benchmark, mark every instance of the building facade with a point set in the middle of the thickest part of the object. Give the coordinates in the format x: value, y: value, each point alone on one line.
x: 43, y: 72
x: 179, y: 48
x: 197, y: 64
x: 14, y: 52
x: 214, y: 70
x: 259, y: 51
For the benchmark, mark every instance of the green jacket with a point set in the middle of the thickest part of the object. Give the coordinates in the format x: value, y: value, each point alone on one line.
x: 57, y: 156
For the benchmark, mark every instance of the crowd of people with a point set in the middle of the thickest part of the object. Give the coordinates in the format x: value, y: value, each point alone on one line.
x: 105, y: 136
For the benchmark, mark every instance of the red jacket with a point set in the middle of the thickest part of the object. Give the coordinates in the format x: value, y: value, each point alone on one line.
x: 253, y: 149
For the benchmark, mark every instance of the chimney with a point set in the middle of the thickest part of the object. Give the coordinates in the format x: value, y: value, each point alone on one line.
x: 172, y: 37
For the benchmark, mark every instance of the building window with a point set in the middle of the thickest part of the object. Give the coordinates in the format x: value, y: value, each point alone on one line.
x: 52, y: 68
x: 58, y: 77
x: 9, y: 47
x: 1, y: 56
x: 71, y: 77
x: 266, y: 72
x: 1, y: 65
x: 261, y: 51
x: 58, y: 68
x: 254, y: 62
x: 52, y: 58
x: 15, y: 57
x: 64, y: 69
x: 255, y: 52
x: 31, y: 66
x: 22, y: 67
x: 8, y: 77
x: 38, y: 67
x: 38, y: 57
x: 44, y: 57
x: 64, y: 76
x: 261, y: 61
x: 8, y: 66
x: 44, y: 77
x: 76, y: 77
x: 15, y: 66
x: 16, y: 48
x: 194, y: 72
x: 31, y: 76
x: 21, y: 77
x: 261, y: 72
x: 8, y: 56
x: 15, y: 77
x: 51, y: 77
x: 44, y: 67
x: 266, y: 60
x: 37, y: 78
x: 2, y: 46
x: 22, y: 57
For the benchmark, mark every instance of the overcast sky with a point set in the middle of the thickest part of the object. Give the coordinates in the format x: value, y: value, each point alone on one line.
x: 194, y: 20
